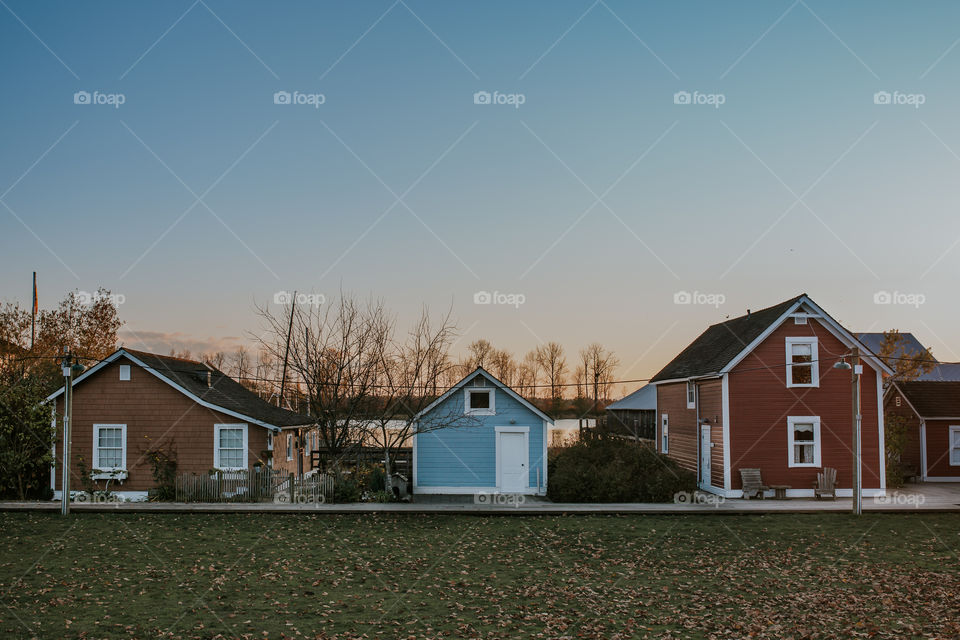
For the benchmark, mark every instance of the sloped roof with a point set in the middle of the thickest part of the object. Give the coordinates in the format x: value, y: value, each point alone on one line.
x: 223, y: 393
x: 942, y: 372
x: 933, y: 399
x: 480, y: 371
x: 909, y: 344
x: 716, y: 347
x: 643, y: 398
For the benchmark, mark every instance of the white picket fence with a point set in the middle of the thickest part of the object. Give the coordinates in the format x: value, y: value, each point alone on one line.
x: 263, y: 485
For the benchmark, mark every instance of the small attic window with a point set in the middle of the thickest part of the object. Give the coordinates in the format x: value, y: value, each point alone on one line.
x: 479, y: 402
x: 799, y: 319
x: 897, y: 401
x: 124, y: 372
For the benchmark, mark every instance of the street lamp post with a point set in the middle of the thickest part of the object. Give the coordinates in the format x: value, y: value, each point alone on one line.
x: 67, y: 415
x: 855, y: 371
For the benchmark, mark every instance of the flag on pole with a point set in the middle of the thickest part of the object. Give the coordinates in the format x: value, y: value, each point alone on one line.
x: 33, y: 319
x: 35, y: 293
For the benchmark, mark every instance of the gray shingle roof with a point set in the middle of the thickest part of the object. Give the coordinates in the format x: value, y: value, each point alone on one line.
x: 643, y: 398
x: 223, y: 391
x: 721, y: 343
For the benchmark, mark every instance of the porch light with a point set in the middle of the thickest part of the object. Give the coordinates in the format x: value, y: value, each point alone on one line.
x: 843, y: 364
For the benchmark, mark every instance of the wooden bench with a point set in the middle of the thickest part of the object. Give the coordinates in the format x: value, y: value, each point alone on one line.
x: 752, y: 483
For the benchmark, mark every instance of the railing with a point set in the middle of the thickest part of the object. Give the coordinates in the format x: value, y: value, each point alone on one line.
x: 263, y: 485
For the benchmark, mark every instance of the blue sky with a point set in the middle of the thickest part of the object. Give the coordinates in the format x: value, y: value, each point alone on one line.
x: 597, y: 199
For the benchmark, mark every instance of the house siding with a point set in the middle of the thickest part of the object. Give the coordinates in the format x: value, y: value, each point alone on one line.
x: 465, y: 456
x: 682, y: 424
x: 760, y: 403
x: 910, y: 457
x: 710, y: 399
x: 156, y: 416
x: 938, y: 449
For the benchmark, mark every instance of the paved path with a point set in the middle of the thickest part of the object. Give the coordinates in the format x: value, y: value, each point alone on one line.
x: 917, y: 498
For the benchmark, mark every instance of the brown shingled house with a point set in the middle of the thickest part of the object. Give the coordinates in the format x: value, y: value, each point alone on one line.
x: 134, y: 401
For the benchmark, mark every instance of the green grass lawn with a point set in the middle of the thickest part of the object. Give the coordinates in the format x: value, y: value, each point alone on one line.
x: 278, y: 576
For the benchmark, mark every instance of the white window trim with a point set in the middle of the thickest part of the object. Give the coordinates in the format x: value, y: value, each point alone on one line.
x: 665, y: 433
x: 691, y: 386
x: 107, y: 473
x: 817, y: 444
x: 269, y: 440
x: 814, y: 365
x: 468, y: 410
x: 953, y: 429
x: 216, y: 446
x: 289, y: 447
x: 124, y: 372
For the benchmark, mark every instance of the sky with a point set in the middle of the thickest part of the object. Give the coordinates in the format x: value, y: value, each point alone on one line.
x: 609, y: 171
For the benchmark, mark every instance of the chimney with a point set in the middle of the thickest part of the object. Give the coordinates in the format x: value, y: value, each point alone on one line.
x: 203, y: 377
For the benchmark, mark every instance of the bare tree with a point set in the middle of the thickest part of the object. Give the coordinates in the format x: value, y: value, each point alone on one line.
x: 480, y: 354
x: 599, y: 368
x: 241, y: 363
x: 409, y: 377
x: 337, y: 350
x: 553, y: 364
x: 527, y: 374
x: 503, y: 366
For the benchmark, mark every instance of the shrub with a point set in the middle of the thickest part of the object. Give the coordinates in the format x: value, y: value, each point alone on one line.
x: 606, y: 468
x: 345, y: 489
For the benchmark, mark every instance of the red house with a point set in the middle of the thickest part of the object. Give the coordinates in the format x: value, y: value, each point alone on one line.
x: 931, y: 410
x: 134, y: 402
x: 760, y: 391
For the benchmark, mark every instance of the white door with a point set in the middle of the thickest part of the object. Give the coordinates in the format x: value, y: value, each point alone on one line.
x: 705, y: 452
x: 513, y: 462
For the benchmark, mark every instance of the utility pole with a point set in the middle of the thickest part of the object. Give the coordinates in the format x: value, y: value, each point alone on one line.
x: 286, y: 351
x: 33, y: 314
x: 857, y: 467
x: 67, y: 415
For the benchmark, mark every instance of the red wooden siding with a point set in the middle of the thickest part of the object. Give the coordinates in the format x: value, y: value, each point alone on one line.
x: 760, y: 403
x: 910, y: 457
x: 156, y: 416
x: 672, y: 400
x: 710, y: 398
x: 938, y: 449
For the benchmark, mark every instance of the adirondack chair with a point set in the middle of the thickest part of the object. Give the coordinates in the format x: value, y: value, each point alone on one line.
x: 752, y: 483
x: 826, y: 484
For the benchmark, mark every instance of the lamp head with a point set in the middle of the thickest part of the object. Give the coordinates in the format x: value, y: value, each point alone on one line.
x: 843, y: 364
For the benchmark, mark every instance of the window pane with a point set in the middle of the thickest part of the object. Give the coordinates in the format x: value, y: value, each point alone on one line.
x: 802, y: 352
x: 232, y: 438
x: 803, y: 453
x: 479, y: 399
x: 111, y: 437
x: 108, y: 458
x: 802, y: 373
x: 803, y: 432
x: 231, y: 458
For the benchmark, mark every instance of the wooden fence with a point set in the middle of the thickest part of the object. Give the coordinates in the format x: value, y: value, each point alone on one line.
x: 263, y: 485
